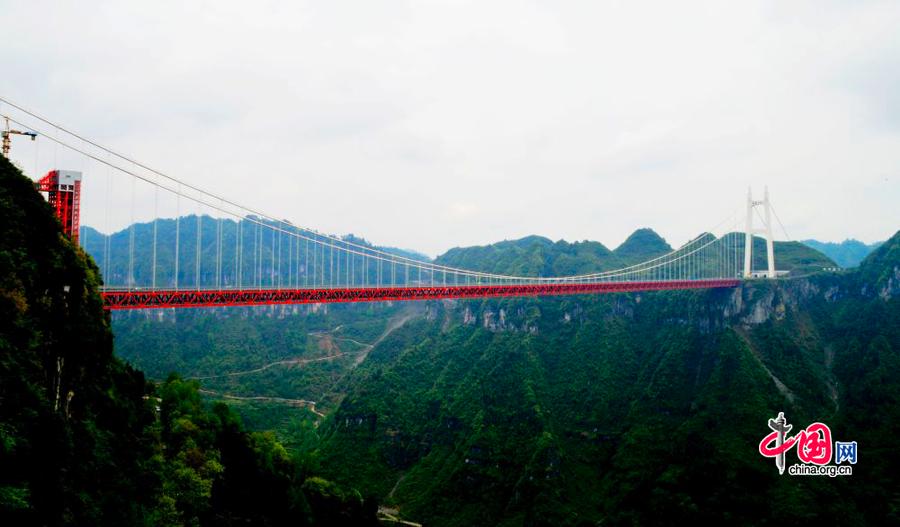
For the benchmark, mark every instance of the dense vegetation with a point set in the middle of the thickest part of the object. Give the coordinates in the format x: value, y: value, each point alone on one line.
x: 263, y: 361
x: 128, y: 254
x: 119, y: 258
x: 616, y: 409
x: 631, y: 409
x: 848, y: 253
x: 620, y: 409
x: 538, y: 256
x: 85, y: 440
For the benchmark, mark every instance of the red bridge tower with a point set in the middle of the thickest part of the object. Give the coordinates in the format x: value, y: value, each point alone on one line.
x: 63, y: 188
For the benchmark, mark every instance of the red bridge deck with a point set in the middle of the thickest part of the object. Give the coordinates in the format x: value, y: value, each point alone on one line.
x: 159, y: 299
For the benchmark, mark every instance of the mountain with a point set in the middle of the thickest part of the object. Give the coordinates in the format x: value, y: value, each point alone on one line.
x: 532, y: 256
x: 848, y: 253
x: 85, y: 440
x: 263, y: 252
x: 642, y: 245
x: 539, y: 256
x: 879, y: 272
x: 267, y: 255
x: 617, y: 409
x: 791, y: 256
x: 405, y: 253
x: 630, y: 409
x: 67, y: 407
x: 289, y: 353
x: 284, y: 353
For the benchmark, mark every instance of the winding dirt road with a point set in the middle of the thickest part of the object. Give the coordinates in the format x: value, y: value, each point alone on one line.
x: 392, y: 326
x: 293, y: 402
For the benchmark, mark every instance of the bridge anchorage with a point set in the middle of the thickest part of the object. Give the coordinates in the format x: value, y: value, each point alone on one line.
x: 199, y: 249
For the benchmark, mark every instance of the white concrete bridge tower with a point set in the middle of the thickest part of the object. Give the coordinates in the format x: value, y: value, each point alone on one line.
x: 765, y: 230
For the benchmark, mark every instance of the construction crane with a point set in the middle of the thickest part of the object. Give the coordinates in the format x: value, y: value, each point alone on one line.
x: 9, y: 132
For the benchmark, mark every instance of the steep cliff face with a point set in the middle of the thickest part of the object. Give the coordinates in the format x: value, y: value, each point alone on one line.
x: 70, y: 414
x: 879, y: 273
x: 752, y: 304
x: 641, y: 408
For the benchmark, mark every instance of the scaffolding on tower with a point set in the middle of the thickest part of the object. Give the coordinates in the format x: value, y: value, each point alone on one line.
x: 63, y: 188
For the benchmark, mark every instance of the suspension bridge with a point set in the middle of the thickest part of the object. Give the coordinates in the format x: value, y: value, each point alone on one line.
x: 201, y: 249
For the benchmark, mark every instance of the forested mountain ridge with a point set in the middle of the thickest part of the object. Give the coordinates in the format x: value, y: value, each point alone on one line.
x: 539, y: 256
x: 879, y: 273
x: 615, y: 409
x: 631, y: 409
x: 848, y: 253
x: 470, y: 404
x: 85, y: 440
x: 642, y: 245
x: 120, y: 259
x: 303, y: 353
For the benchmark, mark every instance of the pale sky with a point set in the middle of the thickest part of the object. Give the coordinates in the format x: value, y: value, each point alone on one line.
x: 429, y: 125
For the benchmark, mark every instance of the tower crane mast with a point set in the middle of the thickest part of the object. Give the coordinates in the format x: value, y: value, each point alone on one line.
x: 8, y: 133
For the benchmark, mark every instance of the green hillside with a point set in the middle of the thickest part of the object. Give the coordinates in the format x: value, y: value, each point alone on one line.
x: 642, y: 245
x: 879, y: 273
x: 629, y: 409
x: 114, y: 256
x: 612, y: 409
x: 532, y: 256
x: 538, y: 256
x: 617, y: 409
x: 85, y: 440
x: 848, y: 253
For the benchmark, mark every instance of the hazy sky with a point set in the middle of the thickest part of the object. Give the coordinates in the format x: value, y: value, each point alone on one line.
x: 429, y: 125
